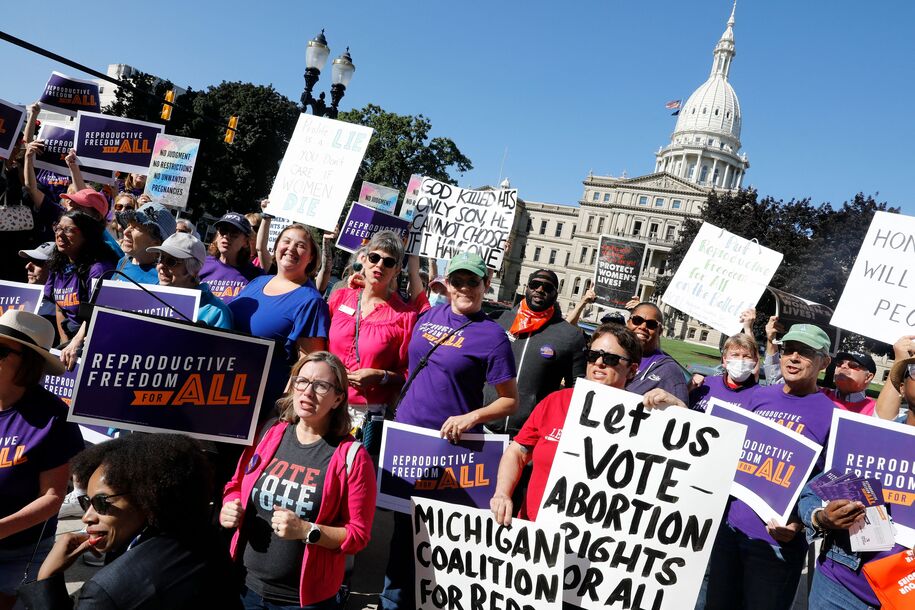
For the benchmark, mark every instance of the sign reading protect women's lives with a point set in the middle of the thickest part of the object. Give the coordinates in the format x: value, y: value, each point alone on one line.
x: 20, y: 296
x: 879, y: 297
x: 874, y: 448
x: 68, y: 95
x: 721, y: 275
x: 616, y: 275
x: 362, y: 222
x: 168, y: 179
x: 115, y: 143
x: 450, y: 219
x: 12, y: 117
x: 164, y: 302
x: 639, y: 494
x: 417, y: 462
x: 380, y: 197
x: 774, y: 465
x: 58, y: 140
x: 464, y: 559
x: 154, y: 375
x: 318, y: 170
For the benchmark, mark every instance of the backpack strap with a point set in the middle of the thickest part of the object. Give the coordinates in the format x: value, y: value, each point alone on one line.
x: 351, y: 456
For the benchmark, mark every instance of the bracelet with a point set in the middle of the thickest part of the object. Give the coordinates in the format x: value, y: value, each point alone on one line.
x: 817, y: 526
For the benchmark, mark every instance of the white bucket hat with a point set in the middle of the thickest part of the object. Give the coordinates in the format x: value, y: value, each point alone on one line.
x: 33, y: 332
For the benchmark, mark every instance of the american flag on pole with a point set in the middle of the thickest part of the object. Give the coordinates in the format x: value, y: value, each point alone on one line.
x: 673, y: 105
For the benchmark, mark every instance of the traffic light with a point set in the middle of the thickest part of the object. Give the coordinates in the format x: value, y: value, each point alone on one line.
x: 230, y: 131
x: 166, y: 113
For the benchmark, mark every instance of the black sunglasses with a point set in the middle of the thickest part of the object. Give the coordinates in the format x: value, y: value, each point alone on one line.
x: 458, y: 283
x: 547, y: 287
x: 169, y: 262
x: 374, y: 257
x: 6, y: 351
x: 608, y: 358
x: 639, y: 320
x: 100, y: 502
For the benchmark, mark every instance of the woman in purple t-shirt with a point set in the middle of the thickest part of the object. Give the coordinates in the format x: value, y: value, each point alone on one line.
x: 228, y: 267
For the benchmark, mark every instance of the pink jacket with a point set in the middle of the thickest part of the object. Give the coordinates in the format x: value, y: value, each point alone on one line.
x: 347, y: 502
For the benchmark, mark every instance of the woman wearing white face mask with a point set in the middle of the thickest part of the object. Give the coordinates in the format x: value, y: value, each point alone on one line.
x: 740, y: 357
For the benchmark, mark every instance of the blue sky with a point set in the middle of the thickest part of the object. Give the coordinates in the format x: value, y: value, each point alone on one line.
x: 565, y: 88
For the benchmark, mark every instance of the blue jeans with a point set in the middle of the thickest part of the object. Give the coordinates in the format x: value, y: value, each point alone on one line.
x: 398, y: 592
x: 252, y: 601
x: 13, y: 564
x: 826, y: 594
x: 752, y: 574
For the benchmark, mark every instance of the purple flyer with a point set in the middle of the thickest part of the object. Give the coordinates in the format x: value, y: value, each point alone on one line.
x: 17, y: 295
x: 417, y: 462
x: 116, y: 143
x: 58, y: 140
x: 12, y: 117
x: 127, y: 297
x: 69, y: 95
x: 362, y: 222
x: 152, y: 375
x: 774, y: 463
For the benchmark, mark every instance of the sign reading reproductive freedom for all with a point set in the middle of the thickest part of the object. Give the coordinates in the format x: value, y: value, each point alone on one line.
x: 774, y: 465
x: 58, y: 140
x: 879, y: 297
x: 416, y: 462
x: 721, y: 275
x: 12, y: 116
x: 382, y: 198
x: 317, y: 171
x: 69, y: 95
x: 616, y: 275
x: 874, y: 448
x: 116, y: 143
x: 464, y: 559
x: 20, y: 296
x: 639, y: 494
x: 450, y: 219
x: 128, y: 297
x: 168, y: 179
x: 155, y: 375
x: 362, y: 222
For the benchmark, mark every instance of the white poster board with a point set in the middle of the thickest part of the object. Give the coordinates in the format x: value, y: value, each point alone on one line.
x: 168, y: 180
x: 721, y: 275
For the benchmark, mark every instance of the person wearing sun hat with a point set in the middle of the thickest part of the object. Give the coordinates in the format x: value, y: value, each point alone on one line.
x: 38, y: 442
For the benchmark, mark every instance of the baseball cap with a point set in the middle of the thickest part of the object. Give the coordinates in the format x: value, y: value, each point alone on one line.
x: 182, y: 245
x: 41, y: 253
x: 236, y: 220
x: 863, y: 359
x: 89, y: 198
x: 809, y: 335
x: 468, y: 261
x: 898, y: 372
x: 544, y: 274
x: 154, y: 214
x: 438, y: 279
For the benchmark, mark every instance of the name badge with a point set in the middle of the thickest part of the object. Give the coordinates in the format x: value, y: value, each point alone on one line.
x: 347, y: 310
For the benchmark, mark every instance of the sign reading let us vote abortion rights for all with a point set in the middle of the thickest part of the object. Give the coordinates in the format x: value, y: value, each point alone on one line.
x: 116, y: 143
x: 154, y: 375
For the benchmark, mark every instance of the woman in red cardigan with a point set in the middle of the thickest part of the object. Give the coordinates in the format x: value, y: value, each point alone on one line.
x: 303, y: 497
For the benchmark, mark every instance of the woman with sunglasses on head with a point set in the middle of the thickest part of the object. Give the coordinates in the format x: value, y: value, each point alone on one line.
x: 657, y: 369
x: 38, y: 444
x: 148, y: 499
x: 304, y: 497
x: 370, y: 330
x: 228, y: 268
x: 123, y: 203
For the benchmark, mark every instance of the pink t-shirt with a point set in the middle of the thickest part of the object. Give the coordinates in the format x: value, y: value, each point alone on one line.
x: 864, y: 407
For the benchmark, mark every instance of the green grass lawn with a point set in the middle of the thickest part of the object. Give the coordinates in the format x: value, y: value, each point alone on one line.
x: 689, y: 353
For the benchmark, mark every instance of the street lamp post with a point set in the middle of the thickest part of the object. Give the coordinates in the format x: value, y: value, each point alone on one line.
x: 316, y: 55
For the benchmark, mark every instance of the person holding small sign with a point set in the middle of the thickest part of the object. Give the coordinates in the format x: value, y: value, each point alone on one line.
x: 228, y: 267
x: 657, y: 369
x: 740, y: 357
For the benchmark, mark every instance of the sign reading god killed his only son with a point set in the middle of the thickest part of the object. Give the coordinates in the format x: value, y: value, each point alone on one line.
x: 203, y: 382
x: 774, y: 465
x: 879, y: 297
x: 318, y: 170
x: 171, y: 170
x: 721, y: 275
x: 464, y: 559
x: 116, y: 143
x: 616, y: 275
x: 449, y: 219
x: 639, y: 494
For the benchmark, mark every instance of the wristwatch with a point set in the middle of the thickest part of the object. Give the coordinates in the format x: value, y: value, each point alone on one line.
x: 313, y: 535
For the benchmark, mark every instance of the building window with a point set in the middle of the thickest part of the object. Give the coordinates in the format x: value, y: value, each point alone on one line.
x: 606, y: 197
x: 523, y: 250
x: 593, y: 256
x: 692, y: 171
x: 552, y: 257
x: 561, y: 284
x: 576, y: 286
x: 703, y: 336
x: 703, y: 175
x: 675, y: 204
x: 590, y: 223
x: 637, y: 227
x: 568, y: 256
x: 653, y: 230
x: 659, y: 202
x: 530, y: 225
x: 596, y: 196
x: 543, y: 227
x: 643, y: 200
x: 558, y: 229
x: 573, y: 230
x: 886, y: 375
x: 537, y: 253
x: 671, y: 231
x: 691, y: 334
x: 584, y: 253
x: 600, y: 224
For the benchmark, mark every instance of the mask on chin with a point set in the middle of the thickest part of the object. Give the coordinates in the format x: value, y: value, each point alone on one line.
x: 437, y: 299
x: 739, y: 370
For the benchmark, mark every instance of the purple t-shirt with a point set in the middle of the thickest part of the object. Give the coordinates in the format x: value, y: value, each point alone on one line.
x: 452, y: 381
x: 226, y: 281
x: 856, y: 582
x: 810, y: 416
x: 715, y: 387
x: 65, y: 288
x: 34, y: 437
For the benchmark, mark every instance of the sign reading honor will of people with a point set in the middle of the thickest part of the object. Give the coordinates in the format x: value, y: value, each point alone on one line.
x: 318, y: 170
x: 128, y: 297
x: 362, y: 222
x: 20, y: 296
x: 874, y: 448
x: 721, y: 275
x: 464, y: 559
x: 12, y: 117
x: 154, y: 375
x: 58, y: 140
x: 116, y: 143
x: 639, y: 494
x: 774, y: 465
x: 616, y: 276
x: 450, y: 219
x: 382, y: 198
x: 69, y: 95
x: 417, y: 462
x: 879, y: 297
x: 168, y: 179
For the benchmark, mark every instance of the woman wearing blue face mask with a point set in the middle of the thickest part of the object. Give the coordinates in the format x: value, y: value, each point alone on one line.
x: 740, y: 357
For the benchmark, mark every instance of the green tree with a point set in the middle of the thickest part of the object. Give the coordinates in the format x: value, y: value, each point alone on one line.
x: 144, y: 103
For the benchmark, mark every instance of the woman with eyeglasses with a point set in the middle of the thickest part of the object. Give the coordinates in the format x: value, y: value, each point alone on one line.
x: 228, y: 267
x: 37, y: 446
x: 657, y: 369
x: 148, y: 499
x: 304, y: 497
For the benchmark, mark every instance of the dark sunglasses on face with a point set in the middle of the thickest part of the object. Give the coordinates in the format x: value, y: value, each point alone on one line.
x: 228, y: 231
x: 120, y: 207
x: 100, y: 502
x: 458, y: 283
x: 804, y: 351
x: 546, y: 287
x: 169, y: 262
x: 639, y: 320
x: 374, y: 257
x: 849, y: 364
x: 607, y: 358
x: 6, y: 351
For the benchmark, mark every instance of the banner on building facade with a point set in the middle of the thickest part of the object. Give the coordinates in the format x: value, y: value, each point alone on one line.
x: 171, y: 169
x: 616, y: 274
x: 116, y: 143
x: 68, y: 95
x: 362, y: 222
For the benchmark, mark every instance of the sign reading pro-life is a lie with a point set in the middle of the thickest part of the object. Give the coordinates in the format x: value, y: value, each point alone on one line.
x: 721, y: 275
x: 879, y: 297
x: 318, y: 170
x: 112, y: 142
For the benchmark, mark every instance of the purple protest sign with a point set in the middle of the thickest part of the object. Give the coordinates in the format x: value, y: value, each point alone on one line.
x: 58, y: 140
x: 774, y: 463
x: 69, y: 95
x: 12, y: 117
x: 153, y: 375
x: 417, y: 462
x: 362, y: 222
x: 116, y: 143
x: 62, y: 386
x: 24, y: 297
x: 127, y: 297
x: 873, y: 448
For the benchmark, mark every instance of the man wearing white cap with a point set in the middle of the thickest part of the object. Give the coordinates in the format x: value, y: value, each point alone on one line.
x: 36, y: 269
